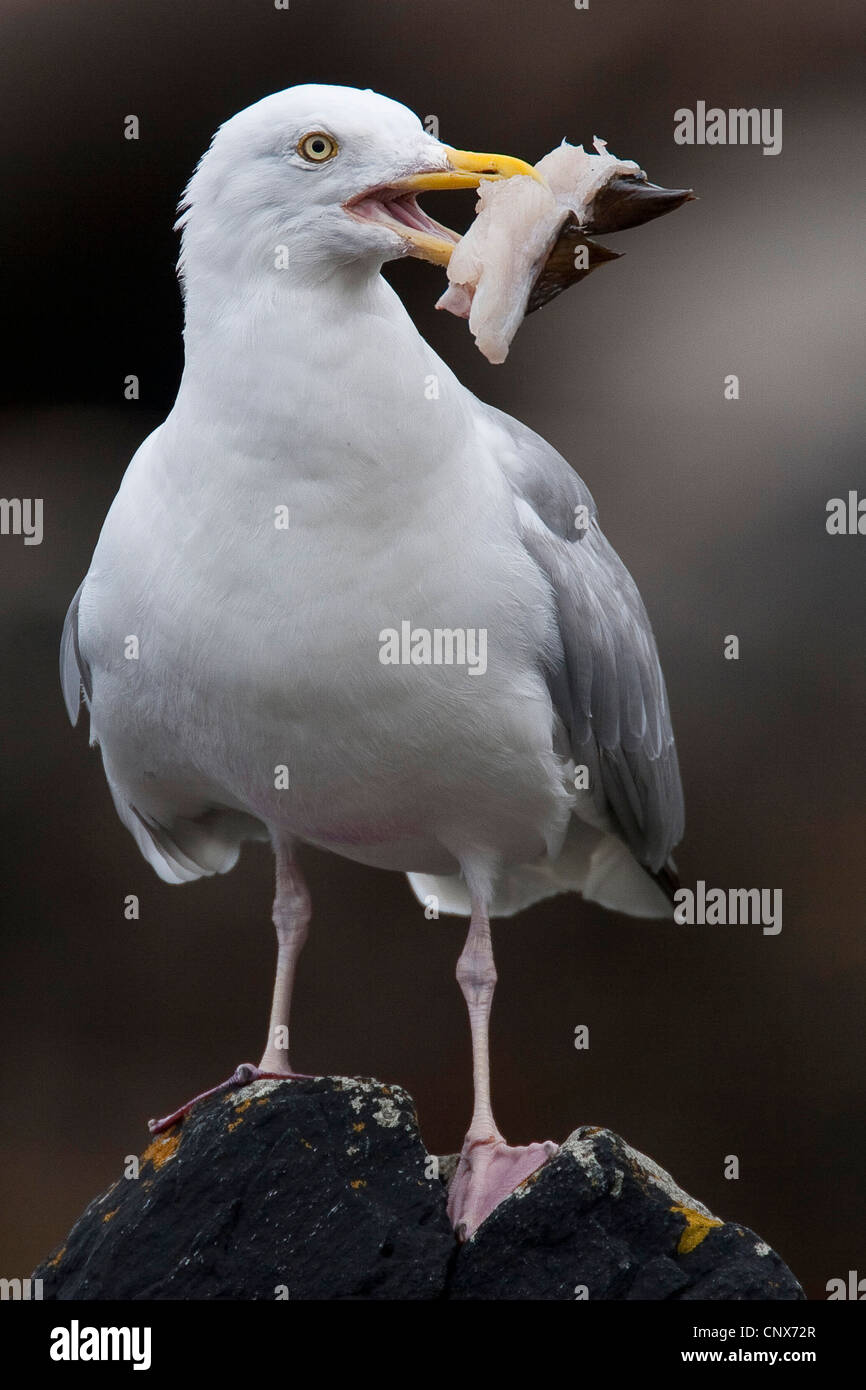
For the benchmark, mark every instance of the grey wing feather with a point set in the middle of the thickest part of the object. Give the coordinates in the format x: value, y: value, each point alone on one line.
x: 74, y: 671
x: 605, y: 681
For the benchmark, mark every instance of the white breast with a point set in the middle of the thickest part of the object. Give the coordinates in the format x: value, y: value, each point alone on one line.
x: 259, y: 645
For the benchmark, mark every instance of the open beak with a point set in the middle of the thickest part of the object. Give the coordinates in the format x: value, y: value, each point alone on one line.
x: 395, y: 204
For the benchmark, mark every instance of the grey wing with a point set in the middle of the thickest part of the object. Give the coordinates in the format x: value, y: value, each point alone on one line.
x: 74, y: 671
x: 606, y: 681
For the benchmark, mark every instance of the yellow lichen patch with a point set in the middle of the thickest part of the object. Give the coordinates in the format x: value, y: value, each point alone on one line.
x: 162, y: 1148
x: 358, y: 1182
x: 52, y: 1264
x: 263, y: 1100
x: 108, y: 1215
x: 240, y: 1111
x: 697, y: 1228
x: 359, y: 1126
x: 306, y: 1143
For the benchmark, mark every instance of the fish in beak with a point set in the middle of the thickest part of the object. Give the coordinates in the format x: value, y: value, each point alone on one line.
x: 530, y: 240
x: 395, y: 204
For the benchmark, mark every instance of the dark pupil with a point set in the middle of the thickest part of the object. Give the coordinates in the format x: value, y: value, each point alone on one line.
x: 318, y: 146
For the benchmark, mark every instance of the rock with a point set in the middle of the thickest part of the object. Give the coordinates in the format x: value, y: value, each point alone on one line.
x: 312, y: 1189
x: 602, y: 1221
x: 321, y: 1188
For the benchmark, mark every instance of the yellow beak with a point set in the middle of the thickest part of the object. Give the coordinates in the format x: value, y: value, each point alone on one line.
x: 468, y: 170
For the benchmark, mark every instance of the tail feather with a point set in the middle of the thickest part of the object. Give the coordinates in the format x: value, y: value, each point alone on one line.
x: 593, y: 863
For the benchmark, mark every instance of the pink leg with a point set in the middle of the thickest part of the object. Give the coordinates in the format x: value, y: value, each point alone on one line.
x: 291, y: 919
x: 488, y: 1169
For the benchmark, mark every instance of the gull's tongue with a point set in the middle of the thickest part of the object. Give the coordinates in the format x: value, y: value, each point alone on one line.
x: 406, y: 210
x: 403, y: 209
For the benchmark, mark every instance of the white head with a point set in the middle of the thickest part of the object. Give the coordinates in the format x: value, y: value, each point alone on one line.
x: 314, y: 178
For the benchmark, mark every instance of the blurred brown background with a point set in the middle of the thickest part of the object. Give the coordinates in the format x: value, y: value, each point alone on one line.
x: 705, y: 1041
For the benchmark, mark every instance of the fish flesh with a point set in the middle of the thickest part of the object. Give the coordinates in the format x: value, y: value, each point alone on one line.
x: 530, y: 240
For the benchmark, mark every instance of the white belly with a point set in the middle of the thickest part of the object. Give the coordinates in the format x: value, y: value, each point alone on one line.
x: 259, y: 683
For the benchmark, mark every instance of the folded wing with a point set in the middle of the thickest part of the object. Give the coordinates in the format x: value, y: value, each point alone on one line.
x: 606, y: 681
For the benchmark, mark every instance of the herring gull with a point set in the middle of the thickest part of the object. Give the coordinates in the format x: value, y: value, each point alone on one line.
x: 256, y: 636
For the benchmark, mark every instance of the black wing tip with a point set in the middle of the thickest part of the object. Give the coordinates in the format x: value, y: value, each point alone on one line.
x: 668, y: 881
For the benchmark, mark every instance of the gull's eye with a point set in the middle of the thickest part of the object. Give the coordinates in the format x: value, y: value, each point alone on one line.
x: 317, y: 146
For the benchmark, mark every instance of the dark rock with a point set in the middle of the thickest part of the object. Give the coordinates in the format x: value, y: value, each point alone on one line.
x: 602, y: 1221
x: 321, y: 1188
x: 311, y: 1189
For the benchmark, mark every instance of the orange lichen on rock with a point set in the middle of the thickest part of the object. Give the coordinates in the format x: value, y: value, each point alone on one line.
x: 697, y: 1228
x: 163, y: 1148
x: 240, y: 1111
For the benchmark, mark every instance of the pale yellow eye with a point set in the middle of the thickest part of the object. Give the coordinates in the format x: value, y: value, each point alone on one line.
x: 317, y: 146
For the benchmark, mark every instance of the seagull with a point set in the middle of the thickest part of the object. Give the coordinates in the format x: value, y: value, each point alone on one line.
x: 339, y: 601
